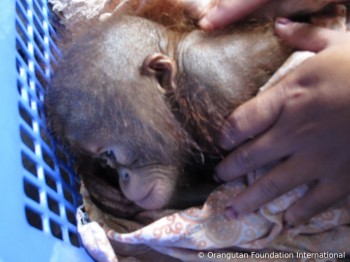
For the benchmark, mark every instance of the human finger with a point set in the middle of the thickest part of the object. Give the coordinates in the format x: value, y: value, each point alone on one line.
x: 196, y: 8
x: 258, y: 152
x: 281, y: 179
x: 322, y: 196
x: 295, y: 8
x: 305, y: 36
x: 228, y: 11
x: 252, y: 118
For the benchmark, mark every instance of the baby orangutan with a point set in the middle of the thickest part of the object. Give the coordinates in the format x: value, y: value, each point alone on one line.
x: 140, y: 105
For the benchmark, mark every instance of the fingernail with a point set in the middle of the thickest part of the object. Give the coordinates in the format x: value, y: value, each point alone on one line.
x: 205, y: 24
x: 231, y: 213
x: 226, y: 142
x: 225, y: 138
x: 282, y: 21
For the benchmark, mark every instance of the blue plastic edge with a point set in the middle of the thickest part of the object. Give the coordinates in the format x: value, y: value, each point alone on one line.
x: 18, y: 240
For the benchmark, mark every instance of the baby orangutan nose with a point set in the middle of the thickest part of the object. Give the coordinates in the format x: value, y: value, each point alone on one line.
x: 147, y: 187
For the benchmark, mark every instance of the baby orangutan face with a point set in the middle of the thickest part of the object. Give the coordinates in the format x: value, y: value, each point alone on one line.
x: 135, y: 135
x: 148, y: 185
x: 145, y: 106
x: 101, y: 104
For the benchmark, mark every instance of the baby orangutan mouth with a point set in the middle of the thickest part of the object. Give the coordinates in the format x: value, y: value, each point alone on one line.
x: 154, y: 189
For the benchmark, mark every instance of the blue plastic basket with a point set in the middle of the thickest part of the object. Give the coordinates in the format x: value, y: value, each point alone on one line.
x: 38, y: 189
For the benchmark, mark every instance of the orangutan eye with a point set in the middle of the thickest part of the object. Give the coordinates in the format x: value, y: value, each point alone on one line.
x: 109, y: 154
x: 124, y: 175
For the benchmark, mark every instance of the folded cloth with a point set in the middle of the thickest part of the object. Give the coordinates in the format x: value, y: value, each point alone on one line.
x: 182, y: 234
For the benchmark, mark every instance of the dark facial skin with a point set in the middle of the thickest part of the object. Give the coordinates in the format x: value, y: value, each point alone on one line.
x: 149, y: 102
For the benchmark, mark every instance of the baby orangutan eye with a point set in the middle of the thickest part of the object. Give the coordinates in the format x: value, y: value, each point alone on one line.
x: 124, y: 175
x: 109, y: 154
x: 108, y: 158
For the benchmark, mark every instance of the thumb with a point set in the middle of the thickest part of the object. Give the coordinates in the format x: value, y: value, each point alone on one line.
x: 228, y: 11
x: 304, y: 36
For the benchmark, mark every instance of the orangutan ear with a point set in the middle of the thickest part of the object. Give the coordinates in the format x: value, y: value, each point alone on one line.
x: 163, y: 68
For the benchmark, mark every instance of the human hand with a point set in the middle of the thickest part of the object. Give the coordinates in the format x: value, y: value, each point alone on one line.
x: 303, y: 121
x: 223, y: 12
